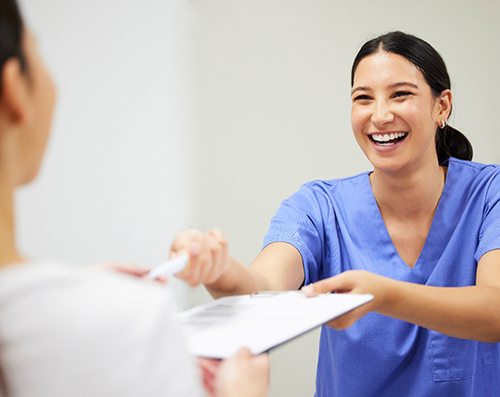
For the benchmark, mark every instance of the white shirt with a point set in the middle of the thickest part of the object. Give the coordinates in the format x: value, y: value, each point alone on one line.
x: 70, y: 332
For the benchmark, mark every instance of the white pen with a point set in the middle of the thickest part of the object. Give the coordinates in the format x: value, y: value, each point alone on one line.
x: 169, y: 267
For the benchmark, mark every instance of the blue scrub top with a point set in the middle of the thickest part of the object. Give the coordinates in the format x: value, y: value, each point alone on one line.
x: 336, y: 226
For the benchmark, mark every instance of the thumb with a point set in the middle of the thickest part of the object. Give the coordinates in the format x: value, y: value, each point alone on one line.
x: 243, y: 353
x: 332, y: 284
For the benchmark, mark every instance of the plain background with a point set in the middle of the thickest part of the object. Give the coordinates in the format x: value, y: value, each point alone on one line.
x: 115, y: 185
x: 208, y: 113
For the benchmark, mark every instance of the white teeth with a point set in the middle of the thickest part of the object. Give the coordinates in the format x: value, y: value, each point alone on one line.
x: 388, y: 137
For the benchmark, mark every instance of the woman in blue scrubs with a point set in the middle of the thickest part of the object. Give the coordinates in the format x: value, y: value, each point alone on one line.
x: 421, y: 232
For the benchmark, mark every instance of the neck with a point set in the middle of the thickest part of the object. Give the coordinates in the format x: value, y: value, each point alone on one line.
x: 8, y: 251
x: 409, y: 195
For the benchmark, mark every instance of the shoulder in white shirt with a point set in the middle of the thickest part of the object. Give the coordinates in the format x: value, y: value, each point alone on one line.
x: 66, y: 331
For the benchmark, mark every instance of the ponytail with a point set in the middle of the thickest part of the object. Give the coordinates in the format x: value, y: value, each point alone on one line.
x: 452, y: 143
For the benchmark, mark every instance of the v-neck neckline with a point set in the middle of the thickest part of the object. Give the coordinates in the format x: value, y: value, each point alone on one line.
x: 428, y: 254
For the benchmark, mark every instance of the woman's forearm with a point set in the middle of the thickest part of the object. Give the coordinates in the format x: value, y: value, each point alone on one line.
x: 277, y: 267
x: 238, y: 279
x: 464, y: 312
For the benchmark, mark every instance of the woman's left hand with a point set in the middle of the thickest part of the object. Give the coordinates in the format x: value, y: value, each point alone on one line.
x: 354, y: 282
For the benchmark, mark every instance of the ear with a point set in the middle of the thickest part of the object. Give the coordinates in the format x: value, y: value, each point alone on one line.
x: 445, y: 102
x: 14, y: 96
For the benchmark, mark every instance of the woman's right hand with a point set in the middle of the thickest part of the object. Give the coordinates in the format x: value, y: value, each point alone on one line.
x: 208, y: 256
x: 242, y: 375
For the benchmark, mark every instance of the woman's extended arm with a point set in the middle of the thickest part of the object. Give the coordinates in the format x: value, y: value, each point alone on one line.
x: 277, y: 267
x: 463, y: 312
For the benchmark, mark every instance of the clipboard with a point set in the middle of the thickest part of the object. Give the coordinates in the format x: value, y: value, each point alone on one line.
x: 260, y: 321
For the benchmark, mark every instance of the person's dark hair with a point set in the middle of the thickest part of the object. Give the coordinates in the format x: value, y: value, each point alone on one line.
x: 11, y: 31
x: 449, y: 141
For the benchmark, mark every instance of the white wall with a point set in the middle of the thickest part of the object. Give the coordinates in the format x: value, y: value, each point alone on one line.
x: 273, y: 109
x: 115, y: 184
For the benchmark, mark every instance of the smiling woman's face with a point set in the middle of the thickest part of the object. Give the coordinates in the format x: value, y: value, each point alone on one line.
x: 394, y: 114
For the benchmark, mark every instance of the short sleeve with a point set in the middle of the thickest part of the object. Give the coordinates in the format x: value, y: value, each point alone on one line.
x: 299, y: 222
x: 489, y: 232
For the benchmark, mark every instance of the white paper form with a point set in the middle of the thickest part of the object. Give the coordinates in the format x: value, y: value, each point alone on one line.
x: 260, y: 321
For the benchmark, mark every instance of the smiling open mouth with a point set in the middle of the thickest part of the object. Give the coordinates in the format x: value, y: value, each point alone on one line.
x: 388, y: 139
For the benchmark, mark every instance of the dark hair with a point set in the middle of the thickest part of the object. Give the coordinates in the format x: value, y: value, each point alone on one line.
x: 449, y: 141
x: 11, y: 31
